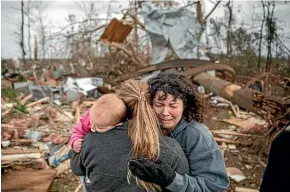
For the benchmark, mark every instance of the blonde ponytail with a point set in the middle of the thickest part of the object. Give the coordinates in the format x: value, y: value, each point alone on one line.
x: 143, y: 128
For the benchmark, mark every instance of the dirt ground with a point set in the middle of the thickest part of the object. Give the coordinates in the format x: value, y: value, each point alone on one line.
x: 243, y: 158
x: 66, y: 183
x: 247, y: 159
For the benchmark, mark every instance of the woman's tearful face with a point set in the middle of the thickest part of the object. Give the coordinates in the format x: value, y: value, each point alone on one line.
x: 168, y: 109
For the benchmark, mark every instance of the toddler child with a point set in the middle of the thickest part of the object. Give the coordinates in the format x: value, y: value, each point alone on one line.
x: 106, y: 113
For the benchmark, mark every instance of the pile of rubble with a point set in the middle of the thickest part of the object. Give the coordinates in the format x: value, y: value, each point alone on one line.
x: 36, y: 124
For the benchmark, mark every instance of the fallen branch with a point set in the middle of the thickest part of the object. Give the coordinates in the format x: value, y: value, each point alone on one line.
x: 236, y: 111
x: 45, y: 99
x: 211, y: 10
x: 231, y: 133
x: 25, y: 99
x: 121, y: 47
x: 228, y: 141
x: 7, y: 111
x: 59, y: 110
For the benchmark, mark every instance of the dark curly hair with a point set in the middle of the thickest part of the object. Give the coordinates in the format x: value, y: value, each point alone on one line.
x: 172, y: 82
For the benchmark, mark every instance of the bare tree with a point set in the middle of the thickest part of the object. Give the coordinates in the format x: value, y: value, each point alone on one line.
x: 27, y: 13
x: 229, y: 28
x: 41, y: 25
x: 134, y: 9
x: 271, y: 30
x: 261, y: 33
x: 216, y: 28
x: 22, y: 33
x: 25, y: 26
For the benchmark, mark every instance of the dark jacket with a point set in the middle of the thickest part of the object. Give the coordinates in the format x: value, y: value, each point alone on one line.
x: 104, y: 159
x: 207, y: 166
x: 277, y: 172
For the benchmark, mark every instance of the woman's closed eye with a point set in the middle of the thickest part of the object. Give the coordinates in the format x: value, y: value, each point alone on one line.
x: 158, y: 105
x: 174, y: 105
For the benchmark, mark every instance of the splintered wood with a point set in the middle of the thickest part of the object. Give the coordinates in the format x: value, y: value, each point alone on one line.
x: 248, y: 125
x: 230, y: 89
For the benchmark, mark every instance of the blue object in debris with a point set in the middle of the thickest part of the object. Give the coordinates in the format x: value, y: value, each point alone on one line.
x: 60, y: 159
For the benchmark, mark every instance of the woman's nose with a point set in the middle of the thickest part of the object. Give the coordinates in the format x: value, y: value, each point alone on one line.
x: 165, y: 111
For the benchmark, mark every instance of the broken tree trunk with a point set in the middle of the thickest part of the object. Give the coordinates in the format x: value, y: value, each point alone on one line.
x: 269, y: 107
x: 227, y: 90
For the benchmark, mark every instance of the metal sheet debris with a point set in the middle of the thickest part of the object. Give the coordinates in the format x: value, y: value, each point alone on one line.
x: 175, y: 28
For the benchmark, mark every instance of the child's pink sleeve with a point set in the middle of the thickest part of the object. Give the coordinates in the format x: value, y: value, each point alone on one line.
x: 81, y: 129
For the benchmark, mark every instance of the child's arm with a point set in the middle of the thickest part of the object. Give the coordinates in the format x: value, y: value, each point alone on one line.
x: 81, y: 129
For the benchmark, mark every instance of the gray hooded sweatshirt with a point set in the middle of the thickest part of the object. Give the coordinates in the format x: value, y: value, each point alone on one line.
x: 207, y: 167
x: 104, y: 159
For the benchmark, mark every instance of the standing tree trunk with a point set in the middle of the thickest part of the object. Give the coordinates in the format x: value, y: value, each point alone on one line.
x: 43, y: 37
x: 136, y: 28
x: 199, y: 16
x: 35, y: 47
x: 271, y: 30
x: 22, y: 33
x: 229, y: 29
x: 28, y: 30
x: 261, y: 34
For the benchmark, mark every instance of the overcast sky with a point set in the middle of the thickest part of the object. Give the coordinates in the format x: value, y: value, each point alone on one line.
x: 57, y: 12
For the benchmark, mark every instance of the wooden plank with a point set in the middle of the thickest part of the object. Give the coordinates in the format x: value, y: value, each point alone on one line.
x: 10, y: 151
x: 242, y: 189
x: 226, y: 132
x: 28, y: 180
x: 19, y: 157
x: 242, y: 123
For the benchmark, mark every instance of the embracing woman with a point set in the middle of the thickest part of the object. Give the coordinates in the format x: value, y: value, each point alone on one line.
x: 104, y: 157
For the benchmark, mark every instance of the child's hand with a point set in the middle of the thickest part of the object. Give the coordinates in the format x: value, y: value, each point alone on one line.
x: 77, y: 145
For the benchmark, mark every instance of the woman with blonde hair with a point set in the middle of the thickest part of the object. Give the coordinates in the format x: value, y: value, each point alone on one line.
x: 104, y: 156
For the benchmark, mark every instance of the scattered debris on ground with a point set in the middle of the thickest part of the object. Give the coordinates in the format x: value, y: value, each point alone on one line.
x: 36, y: 128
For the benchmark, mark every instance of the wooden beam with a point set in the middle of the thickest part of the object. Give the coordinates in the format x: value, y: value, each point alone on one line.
x: 11, y: 151
x: 242, y: 189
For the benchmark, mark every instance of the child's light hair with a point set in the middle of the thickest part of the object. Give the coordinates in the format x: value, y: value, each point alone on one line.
x: 109, y: 109
x: 143, y: 127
